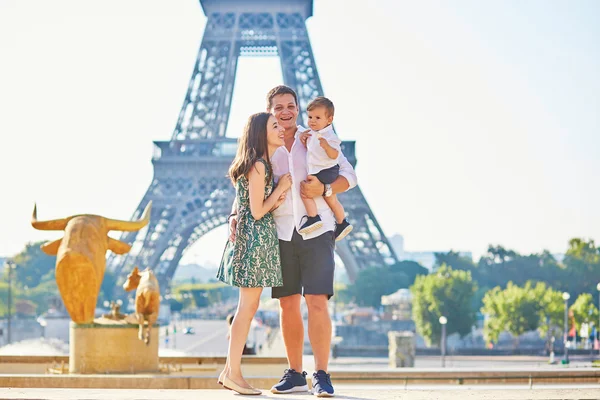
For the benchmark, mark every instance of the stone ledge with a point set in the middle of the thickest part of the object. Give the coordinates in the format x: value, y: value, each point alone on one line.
x: 162, y: 360
x: 407, y: 378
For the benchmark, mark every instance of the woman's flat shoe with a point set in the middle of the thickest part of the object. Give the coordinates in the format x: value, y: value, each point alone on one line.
x: 231, y: 385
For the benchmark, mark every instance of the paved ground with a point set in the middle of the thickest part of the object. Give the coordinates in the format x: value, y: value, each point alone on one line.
x: 350, y: 393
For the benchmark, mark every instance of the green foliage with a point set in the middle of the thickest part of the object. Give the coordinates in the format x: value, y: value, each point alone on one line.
x: 552, y: 309
x: 514, y: 309
x: 448, y: 293
x: 454, y: 260
x: 372, y: 283
x: 584, y: 310
x: 411, y: 269
x: 32, y: 265
x: 500, y: 266
x: 42, y: 295
x: 4, y: 299
x: 582, y: 263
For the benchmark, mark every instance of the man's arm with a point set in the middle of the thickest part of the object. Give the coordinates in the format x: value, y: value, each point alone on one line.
x: 312, y: 187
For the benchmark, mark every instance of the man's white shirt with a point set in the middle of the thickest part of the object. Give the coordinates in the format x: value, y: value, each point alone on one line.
x: 289, y: 214
x: 317, y: 157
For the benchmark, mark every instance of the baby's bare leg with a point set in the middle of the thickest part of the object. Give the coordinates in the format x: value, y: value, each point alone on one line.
x: 337, y: 208
x: 311, y: 207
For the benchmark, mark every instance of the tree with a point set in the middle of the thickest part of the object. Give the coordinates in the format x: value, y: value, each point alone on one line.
x: 32, y: 265
x: 582, y: 263
x: 514, y: 309
x: 372, y: 283
x: 448, y: 293
x: 500, y: 266
x: 454, y: 260
x: 584, y: 310
x: 551, y: 309
x: 411, y: 269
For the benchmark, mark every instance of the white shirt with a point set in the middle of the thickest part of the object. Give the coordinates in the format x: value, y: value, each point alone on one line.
x: 316, y: 156
x: 289, y: 214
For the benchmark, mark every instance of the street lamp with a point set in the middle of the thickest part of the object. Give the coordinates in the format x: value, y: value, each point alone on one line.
x: 443, y: 321
x: 598, y: 328
x: 10, y: 265
x: 566, y: 296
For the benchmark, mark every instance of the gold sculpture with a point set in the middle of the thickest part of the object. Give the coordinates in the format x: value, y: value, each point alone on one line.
x: 81, y: 256
x: 147, y: 299
x: 115, y: 312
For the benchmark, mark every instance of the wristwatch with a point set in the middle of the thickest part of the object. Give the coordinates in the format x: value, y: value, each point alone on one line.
x: 327, y: 191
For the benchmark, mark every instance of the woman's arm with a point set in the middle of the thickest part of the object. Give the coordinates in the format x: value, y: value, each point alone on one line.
x: 232, y: 220
x: 259, y: 206
x: 279, y: 202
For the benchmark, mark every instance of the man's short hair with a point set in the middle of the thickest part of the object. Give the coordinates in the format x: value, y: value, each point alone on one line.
x: 322, y: 102
x: 276, y: 91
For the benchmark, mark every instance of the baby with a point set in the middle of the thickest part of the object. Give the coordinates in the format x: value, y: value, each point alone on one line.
x: 322, y: 152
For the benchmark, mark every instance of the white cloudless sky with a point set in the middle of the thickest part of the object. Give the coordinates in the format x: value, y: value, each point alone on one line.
x: 477, y: 122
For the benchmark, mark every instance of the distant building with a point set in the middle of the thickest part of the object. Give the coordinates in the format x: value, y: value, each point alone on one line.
x: 425, y: 258
x: 397, y: 306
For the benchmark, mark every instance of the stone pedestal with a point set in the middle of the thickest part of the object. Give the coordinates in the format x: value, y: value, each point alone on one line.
x: 111, y: 348
x: 402, y: 348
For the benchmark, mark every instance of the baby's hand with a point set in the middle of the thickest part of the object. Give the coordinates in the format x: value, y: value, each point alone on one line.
x: 323, y: 142
x: 304, y: 137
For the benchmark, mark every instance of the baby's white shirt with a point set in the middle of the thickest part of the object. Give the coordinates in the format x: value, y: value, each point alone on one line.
x: 316, y: 156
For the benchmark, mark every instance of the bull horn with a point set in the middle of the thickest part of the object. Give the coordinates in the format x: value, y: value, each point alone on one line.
x: 118, y: 225
x: 51, y: 225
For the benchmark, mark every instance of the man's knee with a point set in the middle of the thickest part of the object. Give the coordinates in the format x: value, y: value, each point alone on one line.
x: 290, y: 304
x: 316, y: 303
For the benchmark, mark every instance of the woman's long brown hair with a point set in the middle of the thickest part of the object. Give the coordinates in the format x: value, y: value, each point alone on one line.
x: 252, y: 145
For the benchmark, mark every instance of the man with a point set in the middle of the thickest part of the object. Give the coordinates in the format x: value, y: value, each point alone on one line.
x: 307, y: 260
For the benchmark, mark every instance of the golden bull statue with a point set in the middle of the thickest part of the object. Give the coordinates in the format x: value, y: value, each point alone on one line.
x: 81, y: 256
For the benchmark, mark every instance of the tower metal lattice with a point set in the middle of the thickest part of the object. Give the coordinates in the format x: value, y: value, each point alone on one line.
x: 189, y: 191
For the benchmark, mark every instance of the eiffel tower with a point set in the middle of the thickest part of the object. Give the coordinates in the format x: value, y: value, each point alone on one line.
x: 189, y: 191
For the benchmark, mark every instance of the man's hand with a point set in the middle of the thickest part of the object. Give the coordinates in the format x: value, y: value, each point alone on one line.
x: 311, y: 187
x: 232, y: 226
x: 304, y: 137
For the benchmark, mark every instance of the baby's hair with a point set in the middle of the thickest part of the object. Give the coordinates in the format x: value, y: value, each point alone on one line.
x: 322, y: 102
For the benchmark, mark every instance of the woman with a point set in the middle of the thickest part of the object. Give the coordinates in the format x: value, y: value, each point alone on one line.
x: 252, y: 261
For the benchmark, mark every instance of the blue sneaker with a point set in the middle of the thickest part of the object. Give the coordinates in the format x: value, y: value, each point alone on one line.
x: 321, y: 383
x: 291, y: 382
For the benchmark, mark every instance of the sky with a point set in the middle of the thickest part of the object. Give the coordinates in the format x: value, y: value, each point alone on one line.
x: 476, y: 122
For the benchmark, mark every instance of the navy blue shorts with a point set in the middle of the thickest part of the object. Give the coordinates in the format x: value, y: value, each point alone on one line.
x: 307, y: 266
x: 328, y: 175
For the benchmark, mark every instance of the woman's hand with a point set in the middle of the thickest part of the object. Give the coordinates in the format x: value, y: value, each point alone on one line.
x: 304, y: 137
x: 285, y: 182
x: 280, y: 201
x: 232, y: 226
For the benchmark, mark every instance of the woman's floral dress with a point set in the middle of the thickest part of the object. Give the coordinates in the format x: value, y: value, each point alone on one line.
x: 253, y: 259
